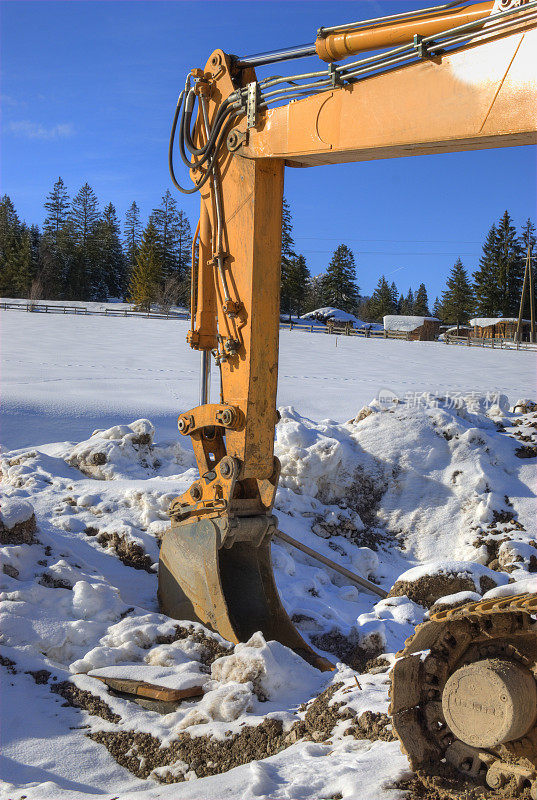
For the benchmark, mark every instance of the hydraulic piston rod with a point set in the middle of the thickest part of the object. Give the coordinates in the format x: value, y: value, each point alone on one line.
x: 347, y: 43
x: 342, y: 41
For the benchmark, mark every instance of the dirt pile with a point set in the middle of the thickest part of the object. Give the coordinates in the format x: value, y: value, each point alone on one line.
x: 129, y: 553
x: 17, y: 522
x: 197, y: 756
x: 427, y: 589
x: 80, y: 698
x: 354, y: 654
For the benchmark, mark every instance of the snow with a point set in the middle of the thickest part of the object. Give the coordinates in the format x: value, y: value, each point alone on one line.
x: 90, y: 444
x: 484, y: 322
x: 110, y: 306
x: 400, y: 322
x: 113, y: 371
x: 336, y: 314
x: 329, y: 312
x: 14, y: 511
x: 462, y: 569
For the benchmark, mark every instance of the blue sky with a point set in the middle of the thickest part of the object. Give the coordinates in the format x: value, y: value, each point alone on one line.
x: 89, y: 88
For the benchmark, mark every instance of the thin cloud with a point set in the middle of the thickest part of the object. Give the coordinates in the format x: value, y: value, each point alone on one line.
x: 8, y: 100
x: 34, y: 130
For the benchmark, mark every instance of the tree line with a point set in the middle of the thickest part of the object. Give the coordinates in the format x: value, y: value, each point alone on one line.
x: 81, y: 253
x: 493, y: 290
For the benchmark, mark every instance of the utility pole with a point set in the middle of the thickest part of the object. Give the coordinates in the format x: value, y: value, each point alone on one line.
x: 528, y: 282
x: 532, y: 297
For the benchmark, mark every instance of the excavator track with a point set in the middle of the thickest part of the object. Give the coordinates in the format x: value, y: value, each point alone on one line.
x: 464, y: 699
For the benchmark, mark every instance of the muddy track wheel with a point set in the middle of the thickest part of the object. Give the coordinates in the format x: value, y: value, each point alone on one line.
x: 464, y: 695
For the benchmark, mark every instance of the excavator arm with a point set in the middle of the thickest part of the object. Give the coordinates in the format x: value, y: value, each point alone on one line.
x: 460, y: 77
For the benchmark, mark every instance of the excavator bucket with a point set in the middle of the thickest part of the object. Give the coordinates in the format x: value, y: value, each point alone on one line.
x: 230, y: 589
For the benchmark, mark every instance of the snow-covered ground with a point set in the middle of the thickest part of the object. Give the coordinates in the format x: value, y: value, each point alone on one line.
x: 396, y: 456
x: 62, y: 377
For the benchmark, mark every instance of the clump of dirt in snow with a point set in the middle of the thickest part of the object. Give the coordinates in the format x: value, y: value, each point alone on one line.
x: 40, y: 676
x: 373, y: 726
x: 321, y: 717
x: 17, y: 522
x: 51, y: 582
x: 116, y: 451
x: 130, y: 553
x: 10, y: 570
x: 526, y: 451
x: 425, y: 585
x: 347, y: 649
x: 376, y: 665
x: 212, y: 648
x: 524, y: 407
x: 81, y: 698
x: 8, y: 664
x: 198, y: 756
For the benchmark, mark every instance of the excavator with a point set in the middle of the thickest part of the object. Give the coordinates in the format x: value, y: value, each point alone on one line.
x: 453, y: 77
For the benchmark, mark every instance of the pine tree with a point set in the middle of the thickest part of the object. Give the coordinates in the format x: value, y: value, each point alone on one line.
x: 56, y: 249
x: 23, y: 278
x: 86, y: 280
x: 510, y: 266
x: 146, y: 276
x: 35, y: 245
x: 340, y: 286
x: 184, y: 246
x: 84, y: 214
x: 486, y: 279
x: 395, y: 296
x: 458, y: 298
x: 315, y: 293
x: 288, y: 257
x: 421, y: 302
x: 57, y: 205
x: 382, y: 303
x: 298, y: 281
x: 165, y: 218
x: 111, y: 259
x: 527, y: 236
x: 407, y: 307
x: 132, y: 234
x: 11, y: 234
x: 438, y: 310
x: 400, y: 304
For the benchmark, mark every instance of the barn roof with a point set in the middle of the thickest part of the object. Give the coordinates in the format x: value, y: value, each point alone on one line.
x: 400, y: 322
x: 485, y: 322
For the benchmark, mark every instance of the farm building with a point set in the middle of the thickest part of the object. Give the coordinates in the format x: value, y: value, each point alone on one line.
x: 420, y: 329
x: 329, y: 314
x: 499, y: 328
x: 453, y: 330
x: 338, y: 320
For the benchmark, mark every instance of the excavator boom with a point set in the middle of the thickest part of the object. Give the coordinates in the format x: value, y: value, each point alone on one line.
x: 460, y: 77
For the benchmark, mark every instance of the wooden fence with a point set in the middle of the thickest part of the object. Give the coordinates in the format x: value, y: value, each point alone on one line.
x: 467, y: 341
x: 498, y: 344
x: 45, y: 308
x: 345, y: 331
